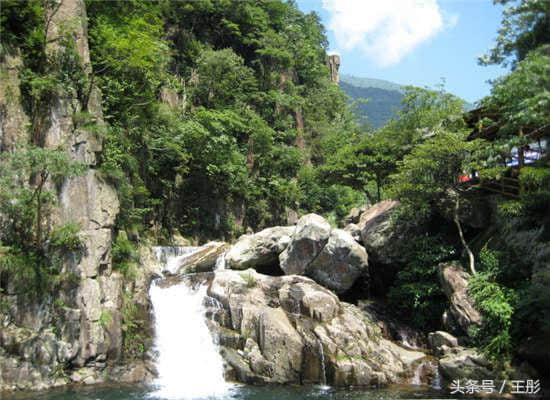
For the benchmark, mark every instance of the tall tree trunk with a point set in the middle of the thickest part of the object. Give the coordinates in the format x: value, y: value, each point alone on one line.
x: 461, y: 234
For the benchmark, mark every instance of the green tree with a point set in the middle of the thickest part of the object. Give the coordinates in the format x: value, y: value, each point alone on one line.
x: 428, y: 177
x: 525, y: 26
x: 26, y: 178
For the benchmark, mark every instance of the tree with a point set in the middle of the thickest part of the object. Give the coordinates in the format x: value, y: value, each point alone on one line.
x: 525, y: 26
x: 428, y: 177
x: 27, y: 181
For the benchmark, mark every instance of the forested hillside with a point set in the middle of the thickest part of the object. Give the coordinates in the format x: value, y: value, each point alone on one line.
x: 375, y: 102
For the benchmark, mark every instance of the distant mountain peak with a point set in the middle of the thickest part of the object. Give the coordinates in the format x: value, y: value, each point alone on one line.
x: 370, y: 83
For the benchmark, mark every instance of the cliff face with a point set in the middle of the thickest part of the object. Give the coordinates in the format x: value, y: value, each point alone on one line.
x: 45, y: 342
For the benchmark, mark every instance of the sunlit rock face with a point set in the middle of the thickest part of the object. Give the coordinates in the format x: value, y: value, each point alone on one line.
x: 272, y: 328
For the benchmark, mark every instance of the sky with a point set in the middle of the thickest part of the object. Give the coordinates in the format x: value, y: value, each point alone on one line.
x: 414, y: 42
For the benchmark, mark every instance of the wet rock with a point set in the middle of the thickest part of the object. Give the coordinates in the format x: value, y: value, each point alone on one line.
x: 201, y: 260
x: 466, y: 364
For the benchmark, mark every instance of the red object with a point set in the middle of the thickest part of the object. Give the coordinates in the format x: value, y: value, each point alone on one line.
x: 464, y: 178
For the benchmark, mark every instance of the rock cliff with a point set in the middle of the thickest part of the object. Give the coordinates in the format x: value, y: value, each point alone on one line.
x: 75, y: 334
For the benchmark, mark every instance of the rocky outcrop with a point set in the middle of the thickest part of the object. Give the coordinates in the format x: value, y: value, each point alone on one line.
x: 465, y: 364
x: 329, y: 256
x: 442, y: 342
x: 378, y: 234
x: 312, y: 248
x: 79, y: 328
x: 259, y: 249
x: 334, y: 65
x: 279, y: 329
x: 13, y: 120
x: 340, y: 263
x: 309, y: 239
x: 454, y: 282
x: 202, y: 259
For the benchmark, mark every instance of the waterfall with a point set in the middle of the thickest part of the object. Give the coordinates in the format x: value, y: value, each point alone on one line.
x: 417, y: 377
x: 171, y: 256
x: 220, y: 262
x: 188, y: 362
x: 436, y: 383
x: 323, y: 367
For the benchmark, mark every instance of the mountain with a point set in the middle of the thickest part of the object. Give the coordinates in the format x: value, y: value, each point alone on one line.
x: 384, y: 98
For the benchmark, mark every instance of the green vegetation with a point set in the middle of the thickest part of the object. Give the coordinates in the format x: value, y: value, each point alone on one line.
x: 416, y: 291
x: 251, y: 118
x: 220, y: 116
x: 249, y: 279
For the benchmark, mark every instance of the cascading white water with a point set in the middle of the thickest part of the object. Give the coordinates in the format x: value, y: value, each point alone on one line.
x: 220, y: 262
x: 172, y: 256
x: 436, y: 383
x: 189, y: 365
x: 417, y: 377
x: 323, y: 368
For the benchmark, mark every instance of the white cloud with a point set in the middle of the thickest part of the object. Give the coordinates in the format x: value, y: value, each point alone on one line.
x: 385, y: 30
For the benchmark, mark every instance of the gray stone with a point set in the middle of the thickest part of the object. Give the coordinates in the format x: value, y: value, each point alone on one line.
x: 287, y: 319
x: 454, y: 282
x: 340, y: 262
x: 201, y: 260
x: 259, y: 249
x: 378, y: 234
x: 466, y: 364
x: 311, y: 235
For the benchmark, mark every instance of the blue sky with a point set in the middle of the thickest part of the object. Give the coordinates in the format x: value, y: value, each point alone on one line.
x: 414, y: 42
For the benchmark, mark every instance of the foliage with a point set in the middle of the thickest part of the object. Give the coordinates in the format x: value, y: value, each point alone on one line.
x: 416, y: 292
x: 249, y: 279
x: 65, y: 238
x: 124, y: 256
x: 241, y: 74
x: 105, y: 319
x: 496, y: 304
x: 134, y: 337
x: 525, y: 26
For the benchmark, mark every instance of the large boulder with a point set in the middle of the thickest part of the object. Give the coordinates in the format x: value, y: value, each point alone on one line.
x: 378, y: 234
x: 454, y: 282
x: 259, y: 249
x: 340, y: 262
x: 289, y: 329
x: 203, y: 259
x: 309, y: 239
x: 329, y: 256
x: 466, y: 364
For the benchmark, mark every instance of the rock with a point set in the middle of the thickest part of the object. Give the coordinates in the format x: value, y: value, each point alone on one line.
x: 392, y: 328
x: 439, y: 338
x: 259, y: 249
x: 440, y: 341
x: 466, y: 364
x: 329, y: 256
x: 13, y: 119
x: 287, y: 320
x: 354, y: 215
x: 201, y: 260
x: 354, y: 231
x: 340, y: 262
x: 311, y: 235
x: 378, y: 234
x: 454, y: 282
